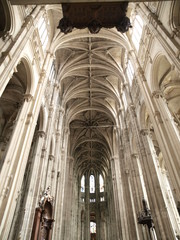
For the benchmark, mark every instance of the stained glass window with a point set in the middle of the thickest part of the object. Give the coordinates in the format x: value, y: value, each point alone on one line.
x: 43, y: 34
x: 92, y: 227
x: 137, y: 31
x: 130, y: 72
x: 101, y: 199
x: 83, y: 184
x: 92, y: 184
x: 101, y: 183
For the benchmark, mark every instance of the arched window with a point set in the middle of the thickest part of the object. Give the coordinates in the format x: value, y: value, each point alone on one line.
x: 92, y: 227
x: 130, y: 72
x: 2, y: 17
x: 124, y: 101
x: 5, y: 18
x: 101, y: 199
x: 101, y: 183
x: 52, y: 73
x: 83, y: 184
x: 43, y: 33
x: 92, y: 184
x: 137, y: 31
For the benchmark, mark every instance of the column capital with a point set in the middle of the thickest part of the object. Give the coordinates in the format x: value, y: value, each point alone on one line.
x: 61, y: 110
x: 115, y: 129
x: 70, y: 158
x: 114, y: 158
x: 158, y: 117
x: 3, y: 139
x: 157, y: 94
x: 66, y: 130
x: 51, y: 157
x: 52, y: 55
x: 41, y: 133
x: 51, y: 109
x: 140, y: 73
x: 131, y: 52
x: 27, y: 97
x: 42, y: 75
x: 56, y: 85
x: 58, y: 133
x: 126, y: 171
x: 58, y: 174
x: 120, y: 110
x: 124, y: 85
x: 43, y: 152
x: 132, y: 107
x: 134, y: 155
x: 144, y: 131
x: 29, y: 118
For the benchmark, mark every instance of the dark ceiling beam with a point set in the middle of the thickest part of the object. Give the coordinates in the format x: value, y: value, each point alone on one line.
x: 40, y: 2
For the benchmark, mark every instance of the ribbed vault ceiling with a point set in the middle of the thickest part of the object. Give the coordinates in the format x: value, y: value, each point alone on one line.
x: 90, y: 75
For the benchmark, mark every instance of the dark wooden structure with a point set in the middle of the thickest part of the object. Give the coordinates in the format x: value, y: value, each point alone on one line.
x: 94, y: 16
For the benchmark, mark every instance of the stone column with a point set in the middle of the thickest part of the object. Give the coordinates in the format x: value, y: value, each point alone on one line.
x: 165, y: 39
x: 169, y: 143
x: 165, y: 186
x: 132, y: 172
x: 57, y: 183
x: 162, y: 138
x: 82, y: 229
x: 11, y: 174
x: 122, y: 224
x: 33, y: 188
x: 75, y: 208
x: 98, y: 213
x: 50, y: 170
x: 87, y: 213
x: 132, y: 187
x: 50, y: 132
x: 46, y: 147
x: 161, y: 219
x: 68, y: 197
x: 15, y: 162
x: 112, y: 215
x: 60, y: 192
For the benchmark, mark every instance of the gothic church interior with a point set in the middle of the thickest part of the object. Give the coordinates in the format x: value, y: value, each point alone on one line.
x: 89, y: 125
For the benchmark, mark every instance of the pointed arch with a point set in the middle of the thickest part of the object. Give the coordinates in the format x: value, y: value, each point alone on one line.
x: 6, y: 18
x: 42, y: 119
x: 29, y: 76
x: 160, y: 67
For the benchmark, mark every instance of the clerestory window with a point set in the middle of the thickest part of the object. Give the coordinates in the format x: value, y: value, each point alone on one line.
x: 83, y: 184
x: 101, y: 199
x: 130, y: 72
x: 52, y: 73
x: 92, y: 227
x: 92, y: 184
x: 43, y: 33
x: 101, y: 183
x: 137, y: 31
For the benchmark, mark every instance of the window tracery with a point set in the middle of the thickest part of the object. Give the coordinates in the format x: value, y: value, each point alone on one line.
x: 137, y: 31
x: 130, y: 72
x: 83, y: 184
x: 92, y: 184
x: 43, y: 33
x: 101, y: 183
x: 92, y: 227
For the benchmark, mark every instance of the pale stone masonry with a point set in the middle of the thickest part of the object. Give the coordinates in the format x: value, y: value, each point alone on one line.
x: 83, y: 106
